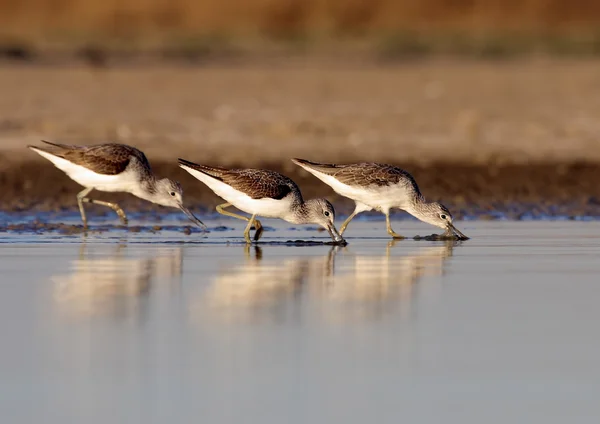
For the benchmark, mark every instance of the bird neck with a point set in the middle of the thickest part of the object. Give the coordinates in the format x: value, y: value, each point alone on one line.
x: 146, y: 188
x: 299, y: 213
x: 417, y: 206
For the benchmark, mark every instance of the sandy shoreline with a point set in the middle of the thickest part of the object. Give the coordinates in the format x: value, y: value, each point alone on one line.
x: 477, y: 136
x: 417, y: 112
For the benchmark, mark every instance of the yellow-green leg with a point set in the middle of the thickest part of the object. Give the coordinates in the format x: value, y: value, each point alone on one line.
x: 80, y: 196
x: 389, y: 227
x: 259, y: 228
x: 347, y: 221
x: 248, y: 228
x: 113, y: 206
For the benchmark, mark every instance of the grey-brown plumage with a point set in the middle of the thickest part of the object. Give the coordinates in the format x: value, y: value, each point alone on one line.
x: 381, y: 187
x: 261, y: 192
x: 113, y: 168
x: 365, y: 174
x: 105, y: 159
x: 256, y: 183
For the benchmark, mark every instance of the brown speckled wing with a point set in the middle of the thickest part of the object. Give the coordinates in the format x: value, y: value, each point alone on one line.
x: 367, y: 174
x: 260, y: 183
x: 364, y: 174
x: 105, y: 159
x: 256, y: 183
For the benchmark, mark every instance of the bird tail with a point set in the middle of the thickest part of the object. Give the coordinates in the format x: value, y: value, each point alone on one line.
x: 57, y: 147
x: 211, y: 171
x: 316, y: 166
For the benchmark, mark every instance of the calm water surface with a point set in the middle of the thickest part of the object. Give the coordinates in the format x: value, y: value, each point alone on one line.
x: 143, y: 328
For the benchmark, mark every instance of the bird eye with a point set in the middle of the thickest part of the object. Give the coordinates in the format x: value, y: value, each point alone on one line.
x: 326, y: 213
x: 173, y: 193
x: 443, y: 216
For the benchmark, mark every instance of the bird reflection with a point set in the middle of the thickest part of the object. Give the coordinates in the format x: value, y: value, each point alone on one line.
x: 369, y: 286
x: 358, y: 285
x: 113, y: 283
x: 258, y: 287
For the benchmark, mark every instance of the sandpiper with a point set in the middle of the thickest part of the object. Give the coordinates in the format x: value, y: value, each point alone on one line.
x: 381, y: 187
x: 114, y: 168
x: 263, y: 193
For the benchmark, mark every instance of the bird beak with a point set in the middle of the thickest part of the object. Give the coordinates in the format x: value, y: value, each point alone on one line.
x: 333, y: 232
x: 451, y: 228
x: 192, y: 217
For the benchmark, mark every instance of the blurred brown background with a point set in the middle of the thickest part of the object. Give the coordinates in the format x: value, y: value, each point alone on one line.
x: 390, y: 28
x: 155, y: 18
x: 483, y: 101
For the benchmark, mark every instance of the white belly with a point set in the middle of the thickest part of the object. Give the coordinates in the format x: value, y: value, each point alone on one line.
x: 270, y: 208
x: 125, y: 182
x: 375, y: 197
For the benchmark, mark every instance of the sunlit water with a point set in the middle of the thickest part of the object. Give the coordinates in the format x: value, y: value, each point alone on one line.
x: 155, y: 328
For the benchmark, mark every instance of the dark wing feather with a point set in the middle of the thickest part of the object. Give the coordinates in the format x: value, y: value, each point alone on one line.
x: 256, y: 183
x: 260, y: 183
x: 364, y: 174
x: 106, y: 159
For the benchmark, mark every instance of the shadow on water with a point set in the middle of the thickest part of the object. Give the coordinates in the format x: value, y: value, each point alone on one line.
x: 349, y: 285
x: 114, y: 283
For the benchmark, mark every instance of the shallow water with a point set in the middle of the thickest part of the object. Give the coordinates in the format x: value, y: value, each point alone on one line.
x: 167, y: 327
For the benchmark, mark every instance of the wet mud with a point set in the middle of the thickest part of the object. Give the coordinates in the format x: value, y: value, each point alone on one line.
x: 305, y: 243
x: 441, y: 237
x: 47, y: 225
x: 42, y: 227
x: 38, y: 227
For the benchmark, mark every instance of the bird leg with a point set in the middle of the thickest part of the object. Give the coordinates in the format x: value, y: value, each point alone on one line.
x: 347, y: 221
x: 360, y: 207
x: 389, y: 228
x: 80, y: 196
x: 113, y: 206
x: 248, y: 227
x: 257, y: 225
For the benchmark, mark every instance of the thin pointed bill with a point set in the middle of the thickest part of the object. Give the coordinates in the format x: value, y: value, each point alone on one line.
x: 335, y: 235
x: 192, y: 217
x: 451, y: 227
